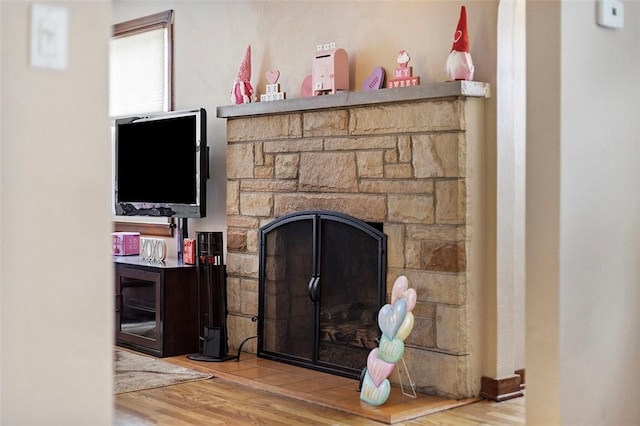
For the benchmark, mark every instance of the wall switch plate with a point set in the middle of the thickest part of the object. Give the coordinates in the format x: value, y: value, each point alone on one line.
x: 610, y: 14
x: 49, y: 37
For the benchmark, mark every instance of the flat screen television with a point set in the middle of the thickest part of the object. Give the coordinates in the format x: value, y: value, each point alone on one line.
x: 161, y: 164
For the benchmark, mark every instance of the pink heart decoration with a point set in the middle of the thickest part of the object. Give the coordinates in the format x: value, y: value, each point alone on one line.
x: 411, y: 297
x: 377, y: 368
x: 399, y: 287
x: 405, y: 328
x: 372, y: 394
x: 391, y: 350
x: 457, y: 36
x: 273, y: 76
x: 306, y: 90
x: 375, y: 81
x: 391, y: 316
x: 401, y: 290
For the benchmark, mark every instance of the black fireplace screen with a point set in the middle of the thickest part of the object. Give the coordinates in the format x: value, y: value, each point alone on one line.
x: 322, y: 282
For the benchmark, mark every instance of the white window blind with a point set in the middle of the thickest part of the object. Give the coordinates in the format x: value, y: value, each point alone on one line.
x: 140, y: 81
x: 138, y: 74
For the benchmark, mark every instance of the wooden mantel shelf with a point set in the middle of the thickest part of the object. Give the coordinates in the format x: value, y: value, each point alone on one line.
x: 349, y: 99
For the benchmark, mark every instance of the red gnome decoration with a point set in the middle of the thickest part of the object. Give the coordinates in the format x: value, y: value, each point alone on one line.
x: 242, y: 92
x: 459, y: 65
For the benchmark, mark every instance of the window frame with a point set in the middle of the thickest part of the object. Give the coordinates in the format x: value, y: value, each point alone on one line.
x: 135, y: 26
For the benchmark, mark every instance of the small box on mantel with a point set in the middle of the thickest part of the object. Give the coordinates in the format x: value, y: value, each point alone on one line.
x: 125, y: 243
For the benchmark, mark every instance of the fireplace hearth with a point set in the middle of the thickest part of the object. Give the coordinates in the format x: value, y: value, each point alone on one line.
x: 321, y: 284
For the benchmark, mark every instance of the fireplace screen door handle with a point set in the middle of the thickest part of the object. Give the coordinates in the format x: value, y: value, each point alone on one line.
x: 313, y: 288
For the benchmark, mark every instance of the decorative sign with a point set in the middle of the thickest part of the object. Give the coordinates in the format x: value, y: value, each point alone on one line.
x: 273, y: 76
x: 375, y: 81
x: 152, y: 249
x: 404, y: 74
x: 396, y: 322
x: 273, y: 88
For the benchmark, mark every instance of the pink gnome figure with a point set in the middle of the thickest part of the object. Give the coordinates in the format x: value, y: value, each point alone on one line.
x: 459, y: 65
x: 242, y: 92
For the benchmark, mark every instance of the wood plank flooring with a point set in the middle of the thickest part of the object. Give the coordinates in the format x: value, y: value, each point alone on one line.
x: 258, y: 391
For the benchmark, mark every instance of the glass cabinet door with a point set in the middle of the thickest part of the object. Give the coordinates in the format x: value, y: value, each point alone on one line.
x: 137, y: 312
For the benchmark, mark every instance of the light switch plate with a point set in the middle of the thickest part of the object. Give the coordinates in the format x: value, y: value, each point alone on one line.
x: 611, y: 14
x: 49, y: 37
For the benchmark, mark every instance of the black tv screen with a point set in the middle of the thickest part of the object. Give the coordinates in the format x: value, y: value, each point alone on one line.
x: 161, y: 165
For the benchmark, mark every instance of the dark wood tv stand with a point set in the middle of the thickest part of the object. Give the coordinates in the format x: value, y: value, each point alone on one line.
x: 156, y: 306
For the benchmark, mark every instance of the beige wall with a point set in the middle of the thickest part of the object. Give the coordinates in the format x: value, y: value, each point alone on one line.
x: 583, y: 217
x: 56, y: 306
x: 211, y: 38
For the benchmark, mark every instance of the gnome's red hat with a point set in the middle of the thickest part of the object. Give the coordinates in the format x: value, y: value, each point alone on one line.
x: 461, y: 36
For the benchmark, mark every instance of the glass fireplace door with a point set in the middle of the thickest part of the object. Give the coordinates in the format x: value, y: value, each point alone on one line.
x: 288, y: 309
x: 321, y: 284
x: 350, y: 295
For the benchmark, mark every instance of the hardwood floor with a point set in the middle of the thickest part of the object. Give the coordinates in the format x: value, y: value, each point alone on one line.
x: 257, y: 391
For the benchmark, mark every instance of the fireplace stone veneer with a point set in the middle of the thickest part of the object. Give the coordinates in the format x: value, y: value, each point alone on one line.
x: 409, y: 158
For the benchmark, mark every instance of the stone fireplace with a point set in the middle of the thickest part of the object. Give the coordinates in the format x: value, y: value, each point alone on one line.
x: 410, y: 159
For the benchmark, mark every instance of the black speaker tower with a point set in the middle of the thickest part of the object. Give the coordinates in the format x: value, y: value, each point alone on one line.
x: 212, y: 299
